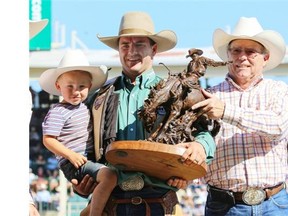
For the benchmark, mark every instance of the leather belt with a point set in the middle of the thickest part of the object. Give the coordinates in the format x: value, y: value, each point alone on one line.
x: 268, y: 192
x: 137, y: 201
x: 168, y: 201
x: 252, y: 196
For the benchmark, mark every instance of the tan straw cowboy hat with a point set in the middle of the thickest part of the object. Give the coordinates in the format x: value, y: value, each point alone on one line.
x: 249, y: 28
x: 36, y: 26
x: 72, y: 60
x: 140, y: 24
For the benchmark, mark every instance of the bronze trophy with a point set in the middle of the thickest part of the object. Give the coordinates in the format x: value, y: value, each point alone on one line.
x: 176, y: 95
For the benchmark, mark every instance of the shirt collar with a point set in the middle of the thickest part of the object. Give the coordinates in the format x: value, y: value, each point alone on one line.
x: 145, y: 80
x: 253, y: 84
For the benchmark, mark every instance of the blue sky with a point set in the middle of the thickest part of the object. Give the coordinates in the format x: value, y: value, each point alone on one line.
x: 194, y: 21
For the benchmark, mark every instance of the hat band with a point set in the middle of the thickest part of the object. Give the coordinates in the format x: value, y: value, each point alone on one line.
x: 134, y: 31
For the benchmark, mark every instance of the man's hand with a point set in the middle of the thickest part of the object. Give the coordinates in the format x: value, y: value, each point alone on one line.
x: 195, y: 153
x: 178, y: 183
x: 85, y: 187
x: 212, y: 106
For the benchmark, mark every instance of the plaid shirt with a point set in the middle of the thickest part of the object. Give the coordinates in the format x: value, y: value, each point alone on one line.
x: 252, y: 143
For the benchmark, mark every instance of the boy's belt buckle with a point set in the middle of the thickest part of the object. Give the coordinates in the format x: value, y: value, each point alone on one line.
x: 133, y: 183
x: 254, y: 196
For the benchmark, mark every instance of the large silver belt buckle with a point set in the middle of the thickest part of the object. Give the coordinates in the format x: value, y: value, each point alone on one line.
x: 133, y: 183
x: 254, y: 196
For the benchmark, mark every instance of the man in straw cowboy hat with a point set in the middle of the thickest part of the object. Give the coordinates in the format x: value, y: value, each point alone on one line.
x: 137, y: 44
x: 67, y: 127
x: 247, y: 176
x: 35, y: 27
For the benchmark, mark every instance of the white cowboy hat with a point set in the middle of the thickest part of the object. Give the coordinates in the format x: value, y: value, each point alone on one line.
x: 249, y: 28
x: 140, y: 24
x: 36, y: 26
x: 72, y: 60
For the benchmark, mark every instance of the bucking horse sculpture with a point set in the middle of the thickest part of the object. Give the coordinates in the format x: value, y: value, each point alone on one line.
x: 175, y: 96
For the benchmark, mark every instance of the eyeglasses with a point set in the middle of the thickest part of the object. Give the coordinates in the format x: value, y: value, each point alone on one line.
x: 249, y: 52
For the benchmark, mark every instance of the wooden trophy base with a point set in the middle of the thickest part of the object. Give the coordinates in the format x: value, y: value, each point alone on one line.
x: 159, y: 160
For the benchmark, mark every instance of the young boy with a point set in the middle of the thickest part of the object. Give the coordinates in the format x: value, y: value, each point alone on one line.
x: 67, y: 126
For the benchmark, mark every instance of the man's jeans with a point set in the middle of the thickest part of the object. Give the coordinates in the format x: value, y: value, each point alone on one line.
x: 277, y: 205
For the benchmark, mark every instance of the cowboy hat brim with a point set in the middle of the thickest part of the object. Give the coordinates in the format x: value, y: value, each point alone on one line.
x: 36, y: 26
x: 271, y: 40
x: 165, y: 39
x: 48, y: 78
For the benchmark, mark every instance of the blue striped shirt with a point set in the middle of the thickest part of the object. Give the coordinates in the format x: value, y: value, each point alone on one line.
x: 71, y: 125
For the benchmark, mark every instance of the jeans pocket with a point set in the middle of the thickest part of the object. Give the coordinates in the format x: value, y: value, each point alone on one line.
x: 280, y: 199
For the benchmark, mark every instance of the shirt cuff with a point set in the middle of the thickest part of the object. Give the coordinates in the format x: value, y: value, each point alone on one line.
x: 207, y: 141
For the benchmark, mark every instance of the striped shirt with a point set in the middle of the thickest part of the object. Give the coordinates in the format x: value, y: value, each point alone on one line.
x: 71, y: 125
x: 252, y: 143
